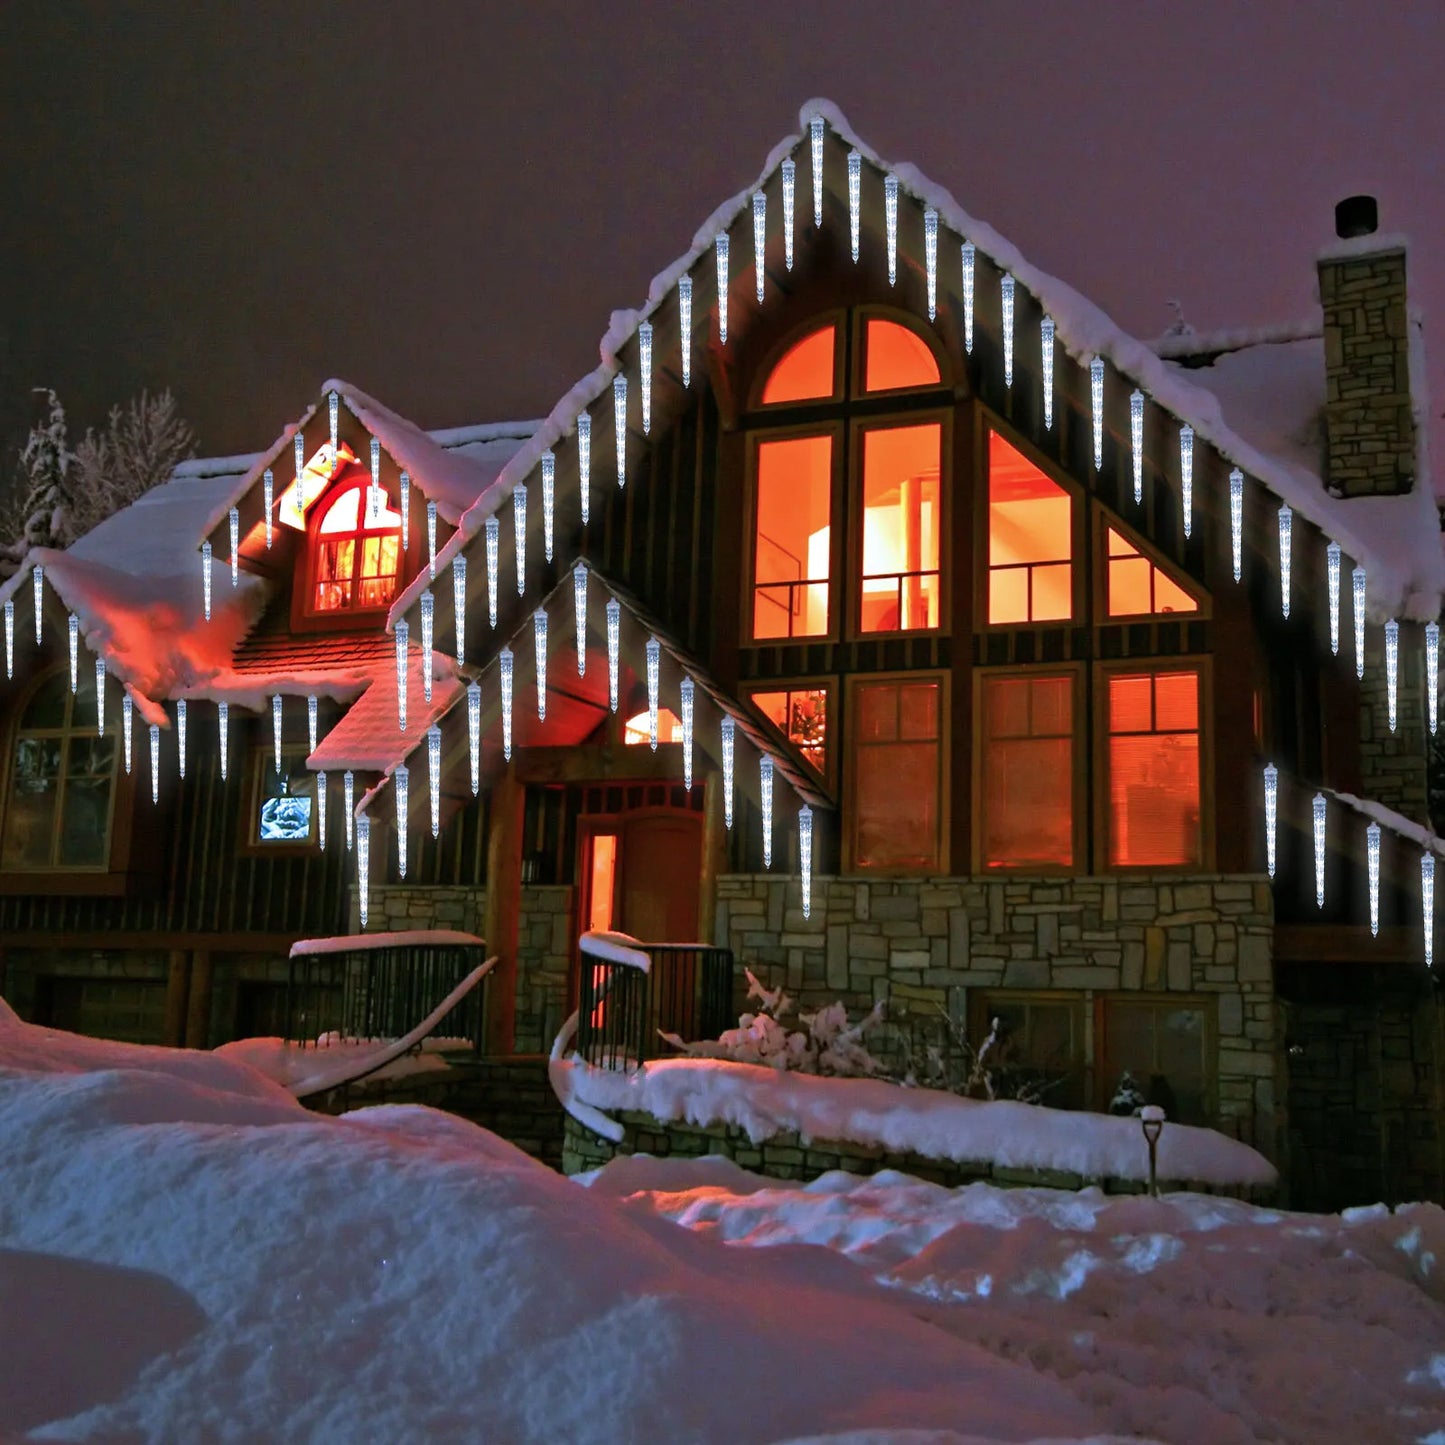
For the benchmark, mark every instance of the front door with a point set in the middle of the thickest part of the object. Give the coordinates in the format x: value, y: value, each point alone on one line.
x: 642, y: 874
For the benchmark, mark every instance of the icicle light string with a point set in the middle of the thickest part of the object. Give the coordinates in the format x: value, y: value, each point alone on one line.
x: 619, y: 424
x: 492, y: 530
x: 1357, y: 598
x: 729, y: 743
x: 37, y: 586
x: 1271, y: 814
x: 155, y: 763
x: 401, y: 784
x: 181, y: 736
x: 10, y: 637
x: 1186, y: 476
x: 654, y: 664
x: 268, y: 499
x: 614, y: 650
x: 1392, y: 670
x: 1372, y: 855
x: 363, y: 867
x: 644, y: 379
x: 539, y: 646
x: 72, y: 627
x: 233, y: 517
x: 504, y: 672
x: 205, y: 586
x: 404, y: 507
x: 519, y: 535
x: 1136, y: 443
x: 1046, y: 367
x: 223, y: 730
x: 321, y: 811
x: 968, y: 253
x: 298, y: 455
x: 428, y: 625
x: 434, y: 776
x: 720, y: 251
x: 127, y: 715
x: 760, y: 240
x: 1236, y: 521
x: 312, y: 719
x: 1427, y: 904
x: 1318, y: 808
x: 431, y: 539
x: 459, y: 604
x: 765, y: 783
x: 1096, y: 400
x: 1286, y: 527
x: 1432, y: 674
x: 790, y: 182
x: 333, y: 408
x: 930, y: 259
x: 374, y: 495
x: 1006, y: 304
x: 684, y: 320
x: 1332, y: 572
x: 890, y: 221
x: 855, y: 192
x: 276, y: 729
x: 100, y: 699
x: 348, y: 800
x: 579, y: 615
x: 686, y: 704
x: 815, y: 146
x: 403, y: 633
x: 474, y: 734
x: 549, y: 490
x: 805, y: 857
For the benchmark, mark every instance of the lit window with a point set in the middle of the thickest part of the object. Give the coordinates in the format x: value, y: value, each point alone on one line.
x: 1154, y: 769
x: 285, y: 802
x: 669, y: 728
x: 895, y: 358
x: 358, y: 553
x: 62, y: 781
x: 806, y: 371
x: 897, y: 775
x: 1137, y: 588
x: 900, y: 527
x: 1027, y: 771
x: 793, y: 537
x: 801, y: 715
x: 1030, y: 540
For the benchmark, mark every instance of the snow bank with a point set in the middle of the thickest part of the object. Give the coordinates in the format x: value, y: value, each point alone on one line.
x: 764, y: 1102
x: 290, y: 1063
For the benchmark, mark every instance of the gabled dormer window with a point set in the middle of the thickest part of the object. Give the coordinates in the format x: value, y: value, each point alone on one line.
x: 355, y: 552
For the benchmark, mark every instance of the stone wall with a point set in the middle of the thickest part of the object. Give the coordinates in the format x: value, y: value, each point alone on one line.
x: 1394, y: 766
x: 927, y: 943
x: 1369, y: 423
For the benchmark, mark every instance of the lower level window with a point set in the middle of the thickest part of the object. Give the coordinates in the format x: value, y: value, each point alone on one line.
x: 285, y: 799
x: 1031, y: 1047
x: 801, y: 715
x: 897, y: 789
x: 1153, y: 1052
x: 1153, y: 764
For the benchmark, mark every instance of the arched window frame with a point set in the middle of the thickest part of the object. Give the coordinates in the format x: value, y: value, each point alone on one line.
x: 318, y: 513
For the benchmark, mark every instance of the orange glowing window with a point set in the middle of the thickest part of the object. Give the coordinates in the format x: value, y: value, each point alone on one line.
x: 1154, y: 808
x: 900, y: 527
x: 792, y: 538
x: 358, y: 553
x: 1137, y: 588
x: 897, y: 776
x: 801, y: 715
x: 635, y: 730
x: 806, y: 371
x: 1027, y: 771
x: 895, y: 358
x: 1030, y: 540
x: 600, y: 878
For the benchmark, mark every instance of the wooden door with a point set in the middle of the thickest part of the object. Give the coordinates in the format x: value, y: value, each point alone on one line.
x: 661, y: 866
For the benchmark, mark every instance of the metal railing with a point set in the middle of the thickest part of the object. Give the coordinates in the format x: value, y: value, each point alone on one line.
x: 686, y: 990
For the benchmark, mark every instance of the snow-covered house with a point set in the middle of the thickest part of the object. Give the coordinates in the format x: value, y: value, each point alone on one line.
x: 877, y: 609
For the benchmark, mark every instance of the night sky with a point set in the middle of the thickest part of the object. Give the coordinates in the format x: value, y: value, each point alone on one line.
x: 442, y: 203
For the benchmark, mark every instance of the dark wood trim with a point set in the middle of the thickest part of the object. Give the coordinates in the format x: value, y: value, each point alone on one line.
x: 1346, y: 943
x: 504, y: 906
x: 119, y: 941
x: 198, y: 1001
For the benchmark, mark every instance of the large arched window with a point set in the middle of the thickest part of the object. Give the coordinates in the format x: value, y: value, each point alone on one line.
x: 356, y: 551
x: 60, y: 788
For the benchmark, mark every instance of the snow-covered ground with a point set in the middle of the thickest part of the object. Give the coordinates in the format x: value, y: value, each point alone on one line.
x: 187, y: 1254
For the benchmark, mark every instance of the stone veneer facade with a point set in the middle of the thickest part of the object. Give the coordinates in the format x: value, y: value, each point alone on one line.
x: 927, y: 943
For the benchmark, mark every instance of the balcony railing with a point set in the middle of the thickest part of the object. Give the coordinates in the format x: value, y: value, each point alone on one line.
x: 623, y: 1009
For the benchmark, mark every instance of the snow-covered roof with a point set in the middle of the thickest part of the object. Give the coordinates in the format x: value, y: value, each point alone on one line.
x: 1402, y: 554
x: 157, y: 534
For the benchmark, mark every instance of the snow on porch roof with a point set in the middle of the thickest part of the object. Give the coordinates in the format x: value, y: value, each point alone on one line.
x: 1402, y: 553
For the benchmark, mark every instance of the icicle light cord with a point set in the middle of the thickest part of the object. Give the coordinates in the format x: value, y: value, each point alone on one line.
x: 181, y: 735
x: 127, y: 714
x: 579, y: 615
x: 233, y: 517
x: 855, y: 193
x: 654, y: 663
x: 519, y: 535
x: 72, y: 627
x: 1236, y: 521
x: 1332, y: 572
x: 968, y: 254
x: 1427, y: 904
x: 223, y: 731
x: 686, y: 703
x: 1096, y: 402
x: 1271, y: 814
x: 1319, y: 828
x: 404, y: 507
x: 1186, y: 476
x: 644, y: 381
x: 614, y: 650
x: 1006, y: 307
x: 276, y: 730
x: 890, y: 224
x: 492, y: 529
x: 1136, y: 443
x: 619, y: 426
x: 363, y: 868
x: 205, y: 582
x: 431, y: 539
x: 401, y: 785
x: 428, y: 625
x: 684, y: 321
x: 1432, y: 674
x: 815, y: 146
x: 760, y: 240
x: 1046, y: 366
x: 312, y: 720
x: 1372, y: 854
x: 1357, y: 597
x: 720, y: 251
x: 729, y: 735
x: 549, y: 491
x: 474, y: 734
x: 155, y: 763
x: 348, y: 799
x: 930, y: 259
x: 403, y: 635
x: 504, y: 671
x: 790, y: 183
x: 539, y: 647
x: 100, y: 699
x: 765, y: 784
x: 268, y: 499
x: 321, y: 811
x: 1286, y: 527
x: 37, y: 586
x: 434, y: 776
x: 805, y: 857
x: 1392, y: 670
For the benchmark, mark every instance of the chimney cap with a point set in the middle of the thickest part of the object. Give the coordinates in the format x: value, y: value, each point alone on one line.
x: 1356, y: 216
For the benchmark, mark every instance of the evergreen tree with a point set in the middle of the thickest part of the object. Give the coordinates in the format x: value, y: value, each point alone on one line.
x: 45, y: 463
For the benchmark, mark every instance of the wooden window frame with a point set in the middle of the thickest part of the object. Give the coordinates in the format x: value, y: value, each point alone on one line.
x: 1078, y: 673
x: 1207, y: 1003
x: 826, y: 685
x: 862, y: 315
x: 979, y: 1012
x: 944, y: 682
x: 1078, y: 530
x: 1103, y: 812
x: 1103, y: 521
x: 344, y: 618
x: 259, y: 757
x: 837, y: 318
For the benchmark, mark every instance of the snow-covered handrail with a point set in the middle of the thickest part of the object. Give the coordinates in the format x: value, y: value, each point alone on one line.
x: 613, y: 947
x: 364, y: 942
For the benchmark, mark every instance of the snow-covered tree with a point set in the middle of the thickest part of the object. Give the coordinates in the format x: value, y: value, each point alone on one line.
x: 45, y: 463
x: 137, y: 450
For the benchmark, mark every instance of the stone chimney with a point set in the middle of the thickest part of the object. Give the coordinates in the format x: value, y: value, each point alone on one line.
x: 1369, y: 422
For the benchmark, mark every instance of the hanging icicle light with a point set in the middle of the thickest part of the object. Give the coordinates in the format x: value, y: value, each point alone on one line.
x: 790, y: 181
x: 434, y: 776
x: 234, y: 518
x: 1236, y: 521
x: 1271, y: 814
x: 765, y: 783
x: 930, y: 259
x: 644, y: 378
x: 1186, y: 475
x: 298, y: 453
x: 1136, y: 443
x: 1046, y: 368
x: 805, y: 857
x: 401, y: 785
x: 428, y: 632
x: 1096, y: 402
x: 1427, y: 902
x: 539, y: 648
x: 890, y: 223
x: 37, y: 584
x: 100, y: 697
x: 815, y: 138
x: 619, y: 426
x: 223, y: 733
x: 403, y: 638
x: 474, y: 734
x: 654, y: 661
x: 431, y: 538
x: 155, y: 763
x: 1392, y: 669
x: 1319, y: 819
x: 276, y: 730
x: 363, y: 868
x: 584, y: 462
x: 729, y: 743
x: 321, y: 811
x: 685, y: 694
x: 127, y: 715
x: 614, y: 649
x: 549, y: 487
x: 1357, y: 597
x: 1432, y: 674
x: 348, y: 802
x: 969, y: 254
x: 312, y: 717
x: 333, y: 409
x: 1372, y: 858
x: 459, y: 604
x: 205, y: 587
x: 519, y: 534
x: 720, y: 250
x: 855, y: 194
x: 1006, y: 302
x: 684, y: 323
x: 579, y: 615
x: 493, y: 532
x: 73, y: 628
x: 404, y: 506
x: 181, y: 735
x: 504, y: 669
x: 9, y: 637
x: 1286, y: 526
x: 268, y: 501
x: 374, y: 494
x: 760, y: 240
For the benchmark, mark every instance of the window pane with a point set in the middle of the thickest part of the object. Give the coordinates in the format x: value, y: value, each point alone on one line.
x: 791, y: 552
x: 1128, y: 587
x: 1006, y: 707
x: 900, y: 527
x: 1169, y: 596
x: 1030, y: 522
x: 877, y: 708
x: 1027, y: 772
x: 46, y: 708
x: 1154, y: 800
x: 84, y: 826
x: 284, y: 815
x: 801, y: 715
x: 1176, y: 701
x: 806, y: 370
x: 34, y: 791
x: 918, y: 711
x: 1162, y: 1047
x: 1039, y: 1051
x: 1053, y: 593
x: 1008, y: 595
x: 896, y: 357
x: 897, y: 806
x: 344, y: 514
x: 1130, y: 709
x: 636, y: 729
